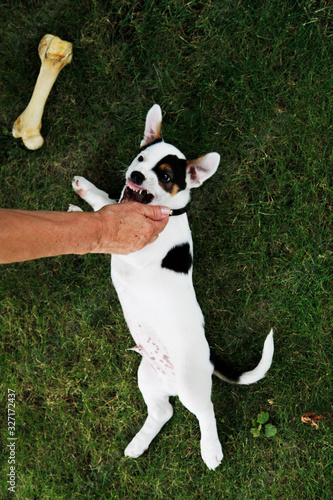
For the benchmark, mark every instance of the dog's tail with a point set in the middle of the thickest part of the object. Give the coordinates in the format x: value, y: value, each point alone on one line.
x: 224, y: 372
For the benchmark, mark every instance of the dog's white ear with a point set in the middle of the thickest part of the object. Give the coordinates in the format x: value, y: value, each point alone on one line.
x: 153, y: 125
x: 197, y: 171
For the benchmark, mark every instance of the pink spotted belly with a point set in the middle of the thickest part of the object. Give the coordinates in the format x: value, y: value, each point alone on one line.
x: 157, y: 357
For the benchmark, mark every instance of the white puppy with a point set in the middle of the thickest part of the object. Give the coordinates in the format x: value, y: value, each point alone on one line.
x: 154, y: 286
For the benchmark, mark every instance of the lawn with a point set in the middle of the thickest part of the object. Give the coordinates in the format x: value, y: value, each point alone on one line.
x: 253, y: 81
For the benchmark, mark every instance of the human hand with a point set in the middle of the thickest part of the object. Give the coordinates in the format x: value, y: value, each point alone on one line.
x: 128, y: 227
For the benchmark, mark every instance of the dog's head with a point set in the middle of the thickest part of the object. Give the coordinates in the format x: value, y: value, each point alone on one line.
x: 160, y: 173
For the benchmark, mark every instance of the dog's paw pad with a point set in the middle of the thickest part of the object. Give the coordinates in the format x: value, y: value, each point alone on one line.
x: 212, y: 454
x: 81, y: 186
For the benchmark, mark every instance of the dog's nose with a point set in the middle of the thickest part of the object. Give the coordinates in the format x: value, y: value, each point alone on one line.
x: 137, y: 177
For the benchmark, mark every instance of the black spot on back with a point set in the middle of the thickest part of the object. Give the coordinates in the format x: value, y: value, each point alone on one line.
x: 178, y: 259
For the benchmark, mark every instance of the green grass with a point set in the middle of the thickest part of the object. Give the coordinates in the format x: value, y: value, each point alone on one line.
x: 253, y: 81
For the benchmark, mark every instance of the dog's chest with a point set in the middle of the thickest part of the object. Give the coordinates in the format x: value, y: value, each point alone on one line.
x: 149, y: 285
x: 172, y: 251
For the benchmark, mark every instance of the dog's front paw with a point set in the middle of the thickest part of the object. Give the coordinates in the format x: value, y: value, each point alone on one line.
x: 82, y: 187
x: 74, y: 208
x: 211, y: 453
x: 135, y: 448
x: 90, y: 193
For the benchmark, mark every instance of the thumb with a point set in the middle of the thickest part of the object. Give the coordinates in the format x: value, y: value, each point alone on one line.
x: 156, y: 212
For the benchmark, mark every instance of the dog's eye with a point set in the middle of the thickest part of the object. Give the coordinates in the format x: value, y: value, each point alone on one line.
x: 165, y: 177
x: 140, y: 158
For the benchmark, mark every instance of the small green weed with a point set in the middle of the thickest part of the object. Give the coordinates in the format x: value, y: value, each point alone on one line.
x: 269, y: 429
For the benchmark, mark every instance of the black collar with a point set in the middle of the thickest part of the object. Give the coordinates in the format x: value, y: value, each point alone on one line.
x: 178, y: 211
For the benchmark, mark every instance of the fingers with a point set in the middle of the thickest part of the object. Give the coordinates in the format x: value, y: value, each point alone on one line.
x: 129, y: 227
x: 156, y: 212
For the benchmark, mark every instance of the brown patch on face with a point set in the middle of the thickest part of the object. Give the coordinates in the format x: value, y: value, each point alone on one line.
x: 175, y: 190
x: 169, y: 186
x: 171, y: 172
x: 165, y: 167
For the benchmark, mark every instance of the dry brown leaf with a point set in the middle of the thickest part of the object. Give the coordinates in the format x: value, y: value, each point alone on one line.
x: 310, y: 418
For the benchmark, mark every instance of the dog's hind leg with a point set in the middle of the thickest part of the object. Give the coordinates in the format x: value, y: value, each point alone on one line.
x: 195, y: 396
x: 90, y: 193
x: 211, y: 450
x: 159, y: 409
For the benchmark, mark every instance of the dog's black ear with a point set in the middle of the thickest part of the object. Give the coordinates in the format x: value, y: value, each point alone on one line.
x: 153, y: 126
x: 197, y: 171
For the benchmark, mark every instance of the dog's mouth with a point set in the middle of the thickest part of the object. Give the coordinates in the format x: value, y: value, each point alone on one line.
x: 134, y: 193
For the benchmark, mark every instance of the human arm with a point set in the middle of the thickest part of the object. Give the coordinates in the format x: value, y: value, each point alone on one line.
x: 119, y: 229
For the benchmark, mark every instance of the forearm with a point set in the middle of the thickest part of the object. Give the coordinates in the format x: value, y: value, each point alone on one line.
x: 119, y: 229
x: 28, y: 235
